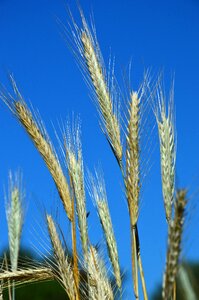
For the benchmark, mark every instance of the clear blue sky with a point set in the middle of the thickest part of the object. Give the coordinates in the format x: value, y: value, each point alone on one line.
x: 156, y: 34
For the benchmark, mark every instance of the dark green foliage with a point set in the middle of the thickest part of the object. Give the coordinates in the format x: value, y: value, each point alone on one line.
x: 192, y: 270
x: 39, y: 291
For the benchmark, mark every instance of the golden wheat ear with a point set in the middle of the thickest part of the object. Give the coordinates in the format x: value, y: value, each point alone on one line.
x: 167, y: 137
x: 28, y: 275
x: 132, y: 181
x: 39, y: 137
x: 174, y: 245
x: 89, y: 58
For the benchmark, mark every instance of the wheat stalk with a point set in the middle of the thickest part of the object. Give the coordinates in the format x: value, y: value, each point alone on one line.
x: 174, y: 245
x: 65, y: 272
x: 40, y: 139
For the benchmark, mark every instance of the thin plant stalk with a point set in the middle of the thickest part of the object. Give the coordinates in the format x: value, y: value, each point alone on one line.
x: 142, y: 277
x: 74, y: 245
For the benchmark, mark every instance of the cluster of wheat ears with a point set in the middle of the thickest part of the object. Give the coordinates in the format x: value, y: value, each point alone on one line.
x: 123, y: 132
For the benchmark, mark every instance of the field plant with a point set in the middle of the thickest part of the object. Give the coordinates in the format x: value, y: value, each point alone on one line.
x: 86, y: 275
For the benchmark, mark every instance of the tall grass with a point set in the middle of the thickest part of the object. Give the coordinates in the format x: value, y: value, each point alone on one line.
x: 123, y: 134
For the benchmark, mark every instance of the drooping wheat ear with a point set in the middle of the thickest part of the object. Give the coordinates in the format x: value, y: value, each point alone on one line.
x: 105, y: 103
x: 98, y: 192
x: 65, y: 271
x: 38, y: 135
x: 167, y: 150
x: 98, y: 283
x: 23, y: 276
x: 14, y: 213
x: 174, y: 245
x: 76, y: 170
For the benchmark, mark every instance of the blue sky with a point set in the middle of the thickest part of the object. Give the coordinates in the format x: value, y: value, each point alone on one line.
x: 161, y: 35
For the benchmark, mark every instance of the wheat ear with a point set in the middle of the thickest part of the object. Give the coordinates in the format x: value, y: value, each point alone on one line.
x: 40, y: 139
x: 167, y: 151
x: 22, y: 276
x: 132, y: 181
x: 174, y: 245
x: 65, y: 272
x: 14, y: 213
x: 75, y: 167
x: 105, y: 103
x: 98, y: 192
x: 98, y: 283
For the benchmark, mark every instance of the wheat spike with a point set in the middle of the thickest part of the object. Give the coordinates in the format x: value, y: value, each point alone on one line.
x: 14, y: 213
x: 40, y: 139
x: 174, y: 245
x: 75, y: 167
x: 98, y: 193
x: 105, y: 103
x: 99, y: 286
x: 65, y: 272
x: 22, y: 276
x: 167, y: 151
x: 132, y: 180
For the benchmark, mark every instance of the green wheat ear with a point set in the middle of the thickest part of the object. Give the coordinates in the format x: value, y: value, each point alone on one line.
x: 14, y: 213
x: 165, y: 121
